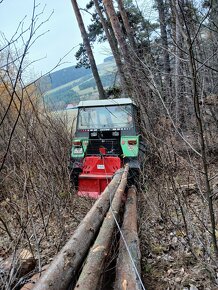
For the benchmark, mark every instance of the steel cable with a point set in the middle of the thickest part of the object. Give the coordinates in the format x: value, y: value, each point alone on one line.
x: 121, y: 234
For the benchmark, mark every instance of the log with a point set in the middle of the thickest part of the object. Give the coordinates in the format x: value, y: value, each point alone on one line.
x: 32, y: 281
x: 126, y: 278
x: 65, y: 265
x: 92, y: 270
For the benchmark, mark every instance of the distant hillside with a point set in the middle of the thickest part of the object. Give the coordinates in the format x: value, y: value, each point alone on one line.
x: 109, y: 58
x: 64, y: 76
x: 70, y: 85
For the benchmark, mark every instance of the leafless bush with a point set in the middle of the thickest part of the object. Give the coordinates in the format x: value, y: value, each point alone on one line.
x: 36, y: 197
x: 175, y: 218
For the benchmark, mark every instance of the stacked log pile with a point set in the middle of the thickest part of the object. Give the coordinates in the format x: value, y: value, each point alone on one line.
x: 88, y: 248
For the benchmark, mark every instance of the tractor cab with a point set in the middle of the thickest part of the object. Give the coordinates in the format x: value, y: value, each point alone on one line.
x: 106, y: 137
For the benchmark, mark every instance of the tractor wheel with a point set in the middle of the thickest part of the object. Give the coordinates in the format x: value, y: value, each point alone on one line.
x: 74, y: 178
x: 134, y: 177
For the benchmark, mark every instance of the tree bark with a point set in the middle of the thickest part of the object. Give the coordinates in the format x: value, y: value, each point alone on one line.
x: 164, y: 40
x: 115, y: 50
x: 126, y: 277
x: 134, y: 67
x: 88, y: 49
x: 128, y: 29
x: 32, y: 281
x: 91, y: 273
x: 66, y: 264
x: 127, y: 56
x: 117, y: 29
x: 178, y: 39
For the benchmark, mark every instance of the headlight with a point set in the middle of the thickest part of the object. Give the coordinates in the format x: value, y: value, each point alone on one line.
x: 115, y: 133
x: 93, y: 134
x: 78, y: 151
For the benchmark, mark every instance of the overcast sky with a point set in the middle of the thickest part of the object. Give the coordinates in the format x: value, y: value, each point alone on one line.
x: 63, y: 34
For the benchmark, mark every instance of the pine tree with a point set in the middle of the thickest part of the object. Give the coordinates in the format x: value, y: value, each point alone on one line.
x: 88, y: 49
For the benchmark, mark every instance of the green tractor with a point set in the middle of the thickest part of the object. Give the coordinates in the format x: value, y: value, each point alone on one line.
x: 107, y: 136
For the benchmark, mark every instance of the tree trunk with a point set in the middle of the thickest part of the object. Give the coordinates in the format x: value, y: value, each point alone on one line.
x: 164, y: 40
x: 88, y: 49
x: 214, y: 36
x: 114, y: 48
x: 128, y: 275
x: 128, y: 29
x: 66, y: 264
x: 178, y: 83
x: 92, y: 271
x: 201, y: 132
x: 116, y: 28
x: 108, y: 4
x: 136, y: 72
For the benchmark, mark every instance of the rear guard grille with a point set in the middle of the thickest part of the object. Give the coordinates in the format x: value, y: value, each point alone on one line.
x: 112, y: 146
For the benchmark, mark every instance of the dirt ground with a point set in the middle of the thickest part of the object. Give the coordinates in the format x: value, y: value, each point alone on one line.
x: 176, y: 247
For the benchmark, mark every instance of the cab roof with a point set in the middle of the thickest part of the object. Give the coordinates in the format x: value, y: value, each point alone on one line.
x: 106, y: 102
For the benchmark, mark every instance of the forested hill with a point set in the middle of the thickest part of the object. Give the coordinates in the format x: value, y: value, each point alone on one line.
x: 65, y: 75
x: 70, y: 85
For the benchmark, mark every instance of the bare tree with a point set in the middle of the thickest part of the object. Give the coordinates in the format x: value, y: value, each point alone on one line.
x: 165, y: 48
x: 200, y: 125
x: 34, y: 151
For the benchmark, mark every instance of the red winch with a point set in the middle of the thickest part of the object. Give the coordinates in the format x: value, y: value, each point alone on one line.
x: 97, y: 174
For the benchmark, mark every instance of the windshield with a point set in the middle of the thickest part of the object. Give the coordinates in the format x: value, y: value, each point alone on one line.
x: 110, y: 117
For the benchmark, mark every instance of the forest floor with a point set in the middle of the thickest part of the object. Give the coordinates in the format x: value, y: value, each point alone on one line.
x: 167, y: 262
x: 173, y: 254
x: 61, y: 226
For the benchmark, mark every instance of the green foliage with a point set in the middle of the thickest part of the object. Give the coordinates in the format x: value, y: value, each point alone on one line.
x: 142, y: 30
x: 114, y: 91
x: 82, y: 58
x: 96, y: 31
x: 141, y: 27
